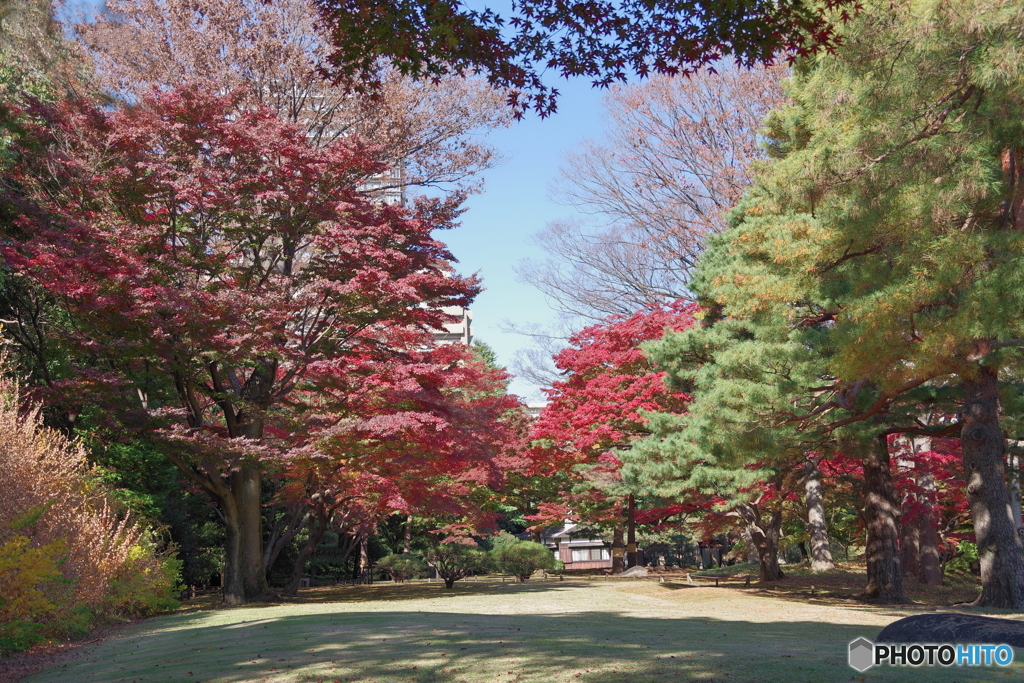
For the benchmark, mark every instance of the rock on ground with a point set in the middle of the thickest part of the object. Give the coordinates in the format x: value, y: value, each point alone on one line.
x: 953, y: 628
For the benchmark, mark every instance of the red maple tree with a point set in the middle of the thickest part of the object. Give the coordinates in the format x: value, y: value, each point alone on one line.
x: 599, y: 408
x: 211, y: 262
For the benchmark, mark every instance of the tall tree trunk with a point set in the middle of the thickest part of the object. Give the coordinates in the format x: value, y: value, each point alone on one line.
x: 765, y: 538
x: 248, y: 495
x: 817, y: 531
x: 983, y: 445
x: 631, y: 554
x: 1013, y: 484
x: 910, y: 545
x: 365, y: 575
x: 239, y: 499
x: 244, y: 576
x: 231, y: 578
x: 882, y: 519
x: 931, y: 566
x: 618, y: 551
x: 752, y: 555
x: 407, y: 537
x: 317, y: 528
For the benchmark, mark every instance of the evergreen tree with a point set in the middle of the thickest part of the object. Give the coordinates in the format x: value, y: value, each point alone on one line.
x: 892, y: 223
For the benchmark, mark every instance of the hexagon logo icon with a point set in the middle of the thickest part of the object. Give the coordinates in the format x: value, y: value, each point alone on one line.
x: 862, y: 654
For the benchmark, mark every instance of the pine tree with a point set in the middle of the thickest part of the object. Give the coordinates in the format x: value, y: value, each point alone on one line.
x: 892, y: 221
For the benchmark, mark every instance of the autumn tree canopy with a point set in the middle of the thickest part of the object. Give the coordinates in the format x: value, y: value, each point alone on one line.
x: 675, y: 156
x: 603, y: 41
x: 269, y: 53
x: 599, y: 410
x: 209, y: 261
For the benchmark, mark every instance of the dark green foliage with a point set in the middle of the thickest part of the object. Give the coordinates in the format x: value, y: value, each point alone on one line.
x: 402, y: 567
x: 146, y: 483
x: 521, y: 558
x: 454, y: 561
x: 512, y: 519
x: 605, y: 42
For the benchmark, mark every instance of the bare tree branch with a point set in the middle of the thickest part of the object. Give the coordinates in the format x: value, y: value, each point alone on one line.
x: 676, y: 156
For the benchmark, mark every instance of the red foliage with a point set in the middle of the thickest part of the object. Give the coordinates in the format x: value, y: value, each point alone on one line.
x: 227, y: 284
x: 942, y: 503
x: 419, y: 432
x: 609, y: 384
x: 946, y: 503
x: 221, y: 251
x: 599, y: 407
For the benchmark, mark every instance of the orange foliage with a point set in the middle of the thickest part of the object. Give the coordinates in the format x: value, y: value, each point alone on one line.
x: 63, y: 548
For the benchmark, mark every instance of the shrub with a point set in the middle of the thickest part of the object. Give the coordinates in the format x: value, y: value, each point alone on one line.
x: 144, y: 585
x: 402, y: 567
x: 967, y: 554
x: 25, y: 607
x: 454, y: 561
x: 65, y: 554
x: 522, y: 558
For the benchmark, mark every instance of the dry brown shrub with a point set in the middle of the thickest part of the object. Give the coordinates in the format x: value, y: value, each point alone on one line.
x: 41, y: 468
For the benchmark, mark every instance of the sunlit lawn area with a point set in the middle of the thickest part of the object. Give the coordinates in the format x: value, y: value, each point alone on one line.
x: 600, y: 631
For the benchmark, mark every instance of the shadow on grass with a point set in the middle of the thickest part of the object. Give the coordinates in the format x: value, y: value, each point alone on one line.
x: 392, y: 645
x: 386, y: 592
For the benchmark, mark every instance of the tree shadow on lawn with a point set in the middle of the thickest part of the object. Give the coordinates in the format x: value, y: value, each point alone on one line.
x: 394, y: 646
x: 379, y: 592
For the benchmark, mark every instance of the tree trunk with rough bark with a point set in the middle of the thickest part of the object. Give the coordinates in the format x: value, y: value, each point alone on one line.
x: 618, y: 551
x: 365, y: 573
x: 407, y: 537
x: 765, y: 537
x: 631, y: 553
x: 882, y: 519
x: 910, y: 545
x: 930, y: 564
x: 817, y: 531
x: 983, y: 445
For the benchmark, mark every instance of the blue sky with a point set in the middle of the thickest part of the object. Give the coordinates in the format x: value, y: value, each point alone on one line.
x: 496, y: 230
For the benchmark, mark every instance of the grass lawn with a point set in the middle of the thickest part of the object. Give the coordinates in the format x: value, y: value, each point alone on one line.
x: 635, y: 631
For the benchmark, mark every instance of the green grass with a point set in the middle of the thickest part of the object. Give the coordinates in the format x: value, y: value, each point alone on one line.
x: 598, y: 632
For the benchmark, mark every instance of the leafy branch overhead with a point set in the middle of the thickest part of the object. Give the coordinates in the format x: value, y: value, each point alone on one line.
x: 605, y: 42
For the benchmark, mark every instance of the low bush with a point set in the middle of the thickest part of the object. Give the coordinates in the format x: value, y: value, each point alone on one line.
x: 454, y: 561
x: 966, y: 555
x: 25, y: 606
x: 402, y: 567
x: 144, y: 585
x: 522, y: 558
x: 66, y: 556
